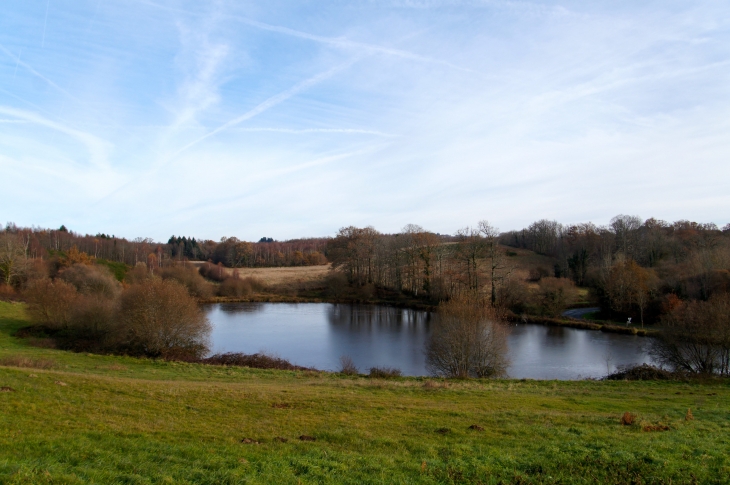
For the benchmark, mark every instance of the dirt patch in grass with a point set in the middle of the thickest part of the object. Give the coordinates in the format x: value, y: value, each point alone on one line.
x: 648, y: 428
x: 476, y: 427
x: 7, y: 389
x: 305, y: 437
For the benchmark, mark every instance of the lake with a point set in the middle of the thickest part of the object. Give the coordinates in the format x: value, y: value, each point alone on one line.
x: 317, y: 334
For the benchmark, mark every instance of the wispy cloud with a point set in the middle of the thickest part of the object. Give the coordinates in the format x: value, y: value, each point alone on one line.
x: 295, y: 118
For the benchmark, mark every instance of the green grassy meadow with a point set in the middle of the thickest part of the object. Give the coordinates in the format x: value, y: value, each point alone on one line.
x: 80, y: 418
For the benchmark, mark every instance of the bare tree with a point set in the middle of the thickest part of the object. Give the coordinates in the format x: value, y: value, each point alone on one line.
x: 468, y: 340
x: 497, y: 268
x: 12, y: 257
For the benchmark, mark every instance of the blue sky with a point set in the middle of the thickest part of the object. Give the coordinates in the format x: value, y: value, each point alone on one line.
x: 293, y: 119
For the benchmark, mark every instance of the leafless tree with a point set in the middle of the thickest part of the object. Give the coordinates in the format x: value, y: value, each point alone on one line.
x: 696, y: 337
x: 468, y: 340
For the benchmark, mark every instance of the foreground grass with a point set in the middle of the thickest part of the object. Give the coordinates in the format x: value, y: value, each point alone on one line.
x: 77, y: 418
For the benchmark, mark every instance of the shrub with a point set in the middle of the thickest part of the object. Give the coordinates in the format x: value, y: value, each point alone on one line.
x: 347, y: 366
x: 628, y: 419
x: 138, y: 274
x: 51, y: 303
x: 189, y: 277
x: 215, y: 272
x: 158, y: 318
x: 384, y: 372
x: 235, y: 288
x: 256, y: 361
x: 554, y: 295
x: 92, y: 280
x: 467, y: 340
x: 696, y: 337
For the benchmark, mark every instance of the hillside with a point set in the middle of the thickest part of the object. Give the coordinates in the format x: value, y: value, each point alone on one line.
x: 78, y: 418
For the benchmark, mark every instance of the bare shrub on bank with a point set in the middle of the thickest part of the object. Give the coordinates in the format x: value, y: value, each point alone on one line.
x: 347, y: 366
x: 696, y: 337
x: 158, y: 318
x: 468, y: 340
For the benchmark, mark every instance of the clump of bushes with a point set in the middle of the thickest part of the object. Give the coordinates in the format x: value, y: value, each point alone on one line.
x: 213, y: 272
x: 257, y: 361
x: 190, y: 278
x: 384, y: 372
x: 236, y: 287
x: 86, y: 308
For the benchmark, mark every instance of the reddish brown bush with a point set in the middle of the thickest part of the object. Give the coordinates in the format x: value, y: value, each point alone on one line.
x: 51, y: 303
x: 189, y: 277
x: 158, y: 318
x: 92, y: 280
x: 628, y: 419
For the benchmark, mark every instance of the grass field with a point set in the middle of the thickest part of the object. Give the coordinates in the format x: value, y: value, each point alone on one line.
x: 294, y: 277
x: 78, y: 418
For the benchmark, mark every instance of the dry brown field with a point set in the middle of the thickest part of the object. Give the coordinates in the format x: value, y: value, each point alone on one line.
x: 293, y: 276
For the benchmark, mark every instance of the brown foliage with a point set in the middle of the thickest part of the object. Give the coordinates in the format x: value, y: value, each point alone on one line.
x: 159, y: 318
x: 189, y: 277
x: 214, y: 272
x: 696, y: 337
x: 92, y: 280
x: 554, y: 295
x: 51, y: 303
x: 138, y: 274
x: 628, y: 419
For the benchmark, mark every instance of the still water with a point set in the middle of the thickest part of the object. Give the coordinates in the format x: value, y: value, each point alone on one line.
x: 317, y: 334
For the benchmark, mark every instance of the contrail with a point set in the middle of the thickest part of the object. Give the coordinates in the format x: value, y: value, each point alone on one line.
x: 341, y: 42
x: 45, y: 22
x: 28, y: 67
x: 272, y: 101
x: 16, y: 64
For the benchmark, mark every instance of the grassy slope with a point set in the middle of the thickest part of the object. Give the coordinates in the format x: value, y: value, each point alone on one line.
x: 123, y: 420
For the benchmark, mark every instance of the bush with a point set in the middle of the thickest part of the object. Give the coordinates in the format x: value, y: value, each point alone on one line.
x: 554, y: 295
x: 348, y: 367
x: 138, y: 274
x: 384, y: 372
x: 467, y: 340
x: 235, y: 288
x: 92, y: 280
x: 189, y: 277
x: 255, y: 361
x: 51, y: 303
x: 214, y: 272
x: 696, y: 337
x: 158, y: 318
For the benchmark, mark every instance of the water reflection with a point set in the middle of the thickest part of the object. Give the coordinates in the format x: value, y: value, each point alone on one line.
x: 316, y: 335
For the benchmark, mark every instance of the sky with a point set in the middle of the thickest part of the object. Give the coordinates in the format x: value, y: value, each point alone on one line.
x: 293, y: 119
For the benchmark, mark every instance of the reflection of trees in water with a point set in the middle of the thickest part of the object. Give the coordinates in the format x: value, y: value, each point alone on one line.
x: 241, y: 307
x: 381, y: 317
x: 556, y: 332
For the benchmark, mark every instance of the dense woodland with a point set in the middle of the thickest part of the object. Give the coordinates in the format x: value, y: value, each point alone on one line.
x: 40, y: 243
